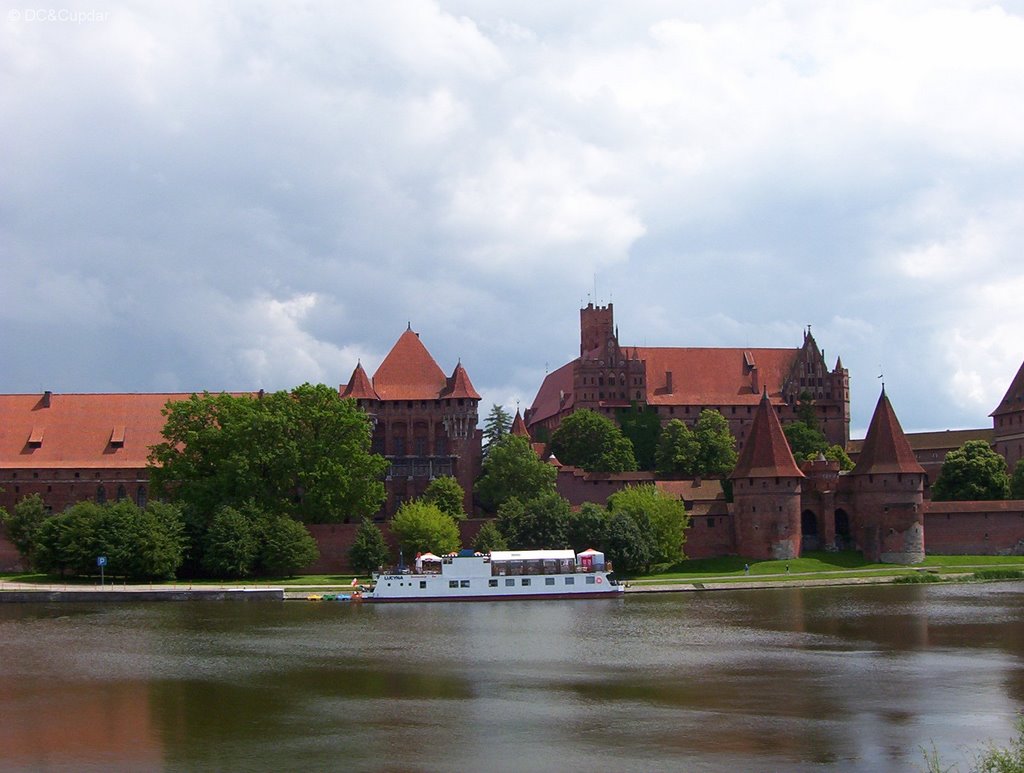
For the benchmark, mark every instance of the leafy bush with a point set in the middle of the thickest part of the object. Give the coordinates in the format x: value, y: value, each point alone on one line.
x: 369, y: 550
x: 141, y: 544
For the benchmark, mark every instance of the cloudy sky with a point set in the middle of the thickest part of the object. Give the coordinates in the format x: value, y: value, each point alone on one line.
x: 245, y: 195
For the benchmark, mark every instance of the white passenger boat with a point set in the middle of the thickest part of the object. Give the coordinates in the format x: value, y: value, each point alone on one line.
x: 500, y: 575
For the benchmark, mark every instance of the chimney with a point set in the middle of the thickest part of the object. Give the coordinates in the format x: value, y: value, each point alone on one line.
x: 755, y: 381
x: 46, y: 398
x: 668, y: 381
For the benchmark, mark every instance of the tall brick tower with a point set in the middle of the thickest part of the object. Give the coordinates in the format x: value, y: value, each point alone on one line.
x: 766, y: 491
x: 888, y: 492
x: 606, y: 377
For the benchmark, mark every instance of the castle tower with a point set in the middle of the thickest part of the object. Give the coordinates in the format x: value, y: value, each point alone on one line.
x: 766, y: 491
x: 888, y: 492
x: 1008, y: 422
x: 606, y: 377
x: 519, y: 426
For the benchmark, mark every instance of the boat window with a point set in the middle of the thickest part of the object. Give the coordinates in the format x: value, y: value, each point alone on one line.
x: 590, y: 579
x: 423, y: 583
x: 526, y: 581
x: 549, y: 580
x: 464, y: 583
x: 493, y: 583
x: 570, y: 580
x: 509, y: 582
x: 453, y: 583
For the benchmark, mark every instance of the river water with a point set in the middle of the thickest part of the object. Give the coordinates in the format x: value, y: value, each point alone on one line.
x: 855, y: 678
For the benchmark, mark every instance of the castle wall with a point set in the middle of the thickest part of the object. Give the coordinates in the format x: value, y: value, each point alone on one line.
x: 975, y: 528
x: 766, y: 517
x: 710, y: 536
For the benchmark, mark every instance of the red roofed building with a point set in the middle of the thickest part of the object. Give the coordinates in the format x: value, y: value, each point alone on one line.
x: 73, y: 447
x: 425, y: 422
x: 70, y: 447
x: 680, y: 382
x: 1008, y: 422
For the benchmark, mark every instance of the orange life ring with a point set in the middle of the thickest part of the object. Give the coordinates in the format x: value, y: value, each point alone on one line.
x: 599, y: 580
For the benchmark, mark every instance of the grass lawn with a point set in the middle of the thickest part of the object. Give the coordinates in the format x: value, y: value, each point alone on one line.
x: 304, y: 581
x: 816, y: 564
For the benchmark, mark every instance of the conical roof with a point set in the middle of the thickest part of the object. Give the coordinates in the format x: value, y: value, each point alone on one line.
x: 459, y: 385
x: 519, y: 426
x: 409, y: 372
x: 1013, y: 400
x: 766, y: 453
x: 886, y: 449
x: 359, y: 385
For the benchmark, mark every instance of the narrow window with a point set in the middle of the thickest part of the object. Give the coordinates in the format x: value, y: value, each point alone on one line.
x: 453, y: 583
x: 591, y: 579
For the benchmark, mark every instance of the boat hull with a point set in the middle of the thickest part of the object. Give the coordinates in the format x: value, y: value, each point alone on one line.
x: 610, y: 594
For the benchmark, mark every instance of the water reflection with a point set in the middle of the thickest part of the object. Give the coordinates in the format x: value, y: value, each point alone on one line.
x: 851, y: 678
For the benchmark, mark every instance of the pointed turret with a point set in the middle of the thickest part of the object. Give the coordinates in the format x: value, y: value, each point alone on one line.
x: 459, y: 385
x: 766, y: 453
x: 888, y: 492
x: 359, y: 386
x: 409, y: 372
x: 519, y: 426
x: 766, y: 491
x: 886, y: 449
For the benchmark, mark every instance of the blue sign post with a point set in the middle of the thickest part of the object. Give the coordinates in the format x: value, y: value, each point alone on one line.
x: 101, y: 561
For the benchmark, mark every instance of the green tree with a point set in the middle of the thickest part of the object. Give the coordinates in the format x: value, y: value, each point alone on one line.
x: 369, y: 551
x: 678, y: 451
x: 538, y: 523
x: 642, y: 428
x: 421, y: 527
x: 512, y: 469
x: 836, y: 453
x: 448, y: 495
x: 717, y: 445
x: 23, y: 524
x: 972, y: 472
x: 1017, y: 481
x: 285, y: 546
x: 805, y: 442
x: 143, y: 544
x: 588, y: 527
x: 496, y: 426
x: 232, y: 544
x: 489, y: 538
x: 627, y: 545
x: 592, y: 442
x: 304, y: 453
x: 665, y: 515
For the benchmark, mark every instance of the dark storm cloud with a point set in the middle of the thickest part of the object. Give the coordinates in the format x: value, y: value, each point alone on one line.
x: 257, y: 195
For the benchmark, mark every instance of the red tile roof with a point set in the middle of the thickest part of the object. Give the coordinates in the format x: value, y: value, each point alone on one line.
x: 81, y: 430
x: 359, y: 386
x: 555, y: 394
x: 1013, y: 400
x: 886, y: 449
x: 708, y: 376
x: 459, y: 385
x: 766, y: 453
x: 409, y: 372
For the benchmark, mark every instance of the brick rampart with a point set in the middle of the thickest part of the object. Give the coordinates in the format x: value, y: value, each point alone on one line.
x: 975, y: 528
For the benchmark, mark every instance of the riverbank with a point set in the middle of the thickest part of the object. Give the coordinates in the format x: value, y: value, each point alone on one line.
x: 24, y: 592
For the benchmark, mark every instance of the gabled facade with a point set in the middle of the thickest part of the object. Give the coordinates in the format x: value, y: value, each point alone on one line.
x: 424, y: 422
x: 680, y: 382
x: 1008, y: 422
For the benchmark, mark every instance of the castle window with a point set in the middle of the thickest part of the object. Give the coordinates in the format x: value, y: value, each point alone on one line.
x: 140, y: 496
x: 101, y: 495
